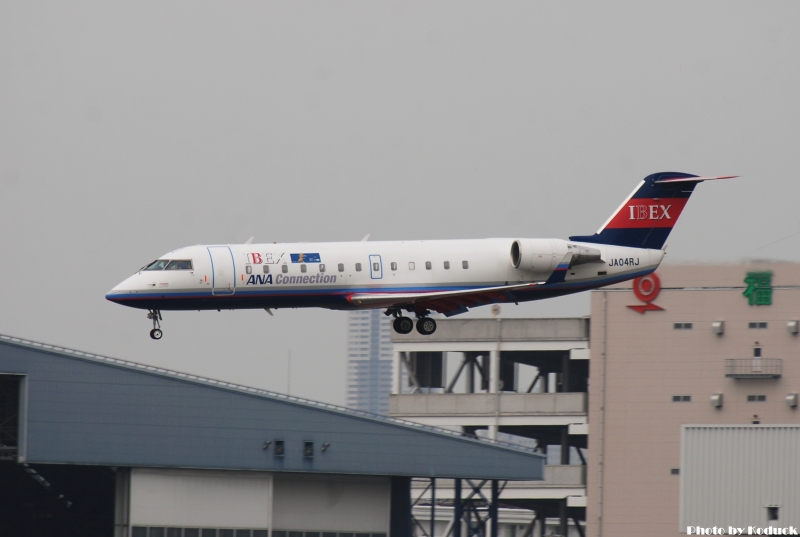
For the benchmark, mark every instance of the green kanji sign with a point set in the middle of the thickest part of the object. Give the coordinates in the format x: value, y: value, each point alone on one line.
x: 759, y: 288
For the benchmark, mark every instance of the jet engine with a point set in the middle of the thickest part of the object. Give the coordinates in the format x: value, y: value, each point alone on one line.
x: 537, y: 255
x: 542, y: 256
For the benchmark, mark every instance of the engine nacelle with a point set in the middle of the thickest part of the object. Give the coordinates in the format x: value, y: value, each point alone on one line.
x: 540, y: 256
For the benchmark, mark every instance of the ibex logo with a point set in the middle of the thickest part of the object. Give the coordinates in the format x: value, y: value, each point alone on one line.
x: 646, y: 289
x: 649, y: 212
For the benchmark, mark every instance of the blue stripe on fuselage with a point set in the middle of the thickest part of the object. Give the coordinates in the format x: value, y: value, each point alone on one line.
x: 258, y: 298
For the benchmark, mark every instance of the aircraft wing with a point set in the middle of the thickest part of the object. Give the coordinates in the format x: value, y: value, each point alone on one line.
x: 448, y: 303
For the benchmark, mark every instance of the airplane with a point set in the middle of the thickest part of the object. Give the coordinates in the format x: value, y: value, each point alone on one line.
x: 415, y: 277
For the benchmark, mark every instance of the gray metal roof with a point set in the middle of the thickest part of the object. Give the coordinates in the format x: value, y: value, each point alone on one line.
x: 84, y: 408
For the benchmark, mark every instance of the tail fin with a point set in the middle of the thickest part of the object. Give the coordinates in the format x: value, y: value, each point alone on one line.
x: 645, y: 219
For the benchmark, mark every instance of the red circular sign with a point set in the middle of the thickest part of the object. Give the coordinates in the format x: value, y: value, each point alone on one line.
x: 646, y: 288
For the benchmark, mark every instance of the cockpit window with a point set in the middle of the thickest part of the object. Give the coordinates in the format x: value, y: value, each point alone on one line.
x: 158, y: 264
x: 180, y: 264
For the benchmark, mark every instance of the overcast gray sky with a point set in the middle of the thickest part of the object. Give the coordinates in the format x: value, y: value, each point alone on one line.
x: 130, y: 129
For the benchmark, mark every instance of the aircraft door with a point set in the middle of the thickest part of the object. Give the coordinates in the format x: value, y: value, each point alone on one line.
x: 375, y: 267
x: 223, y: 272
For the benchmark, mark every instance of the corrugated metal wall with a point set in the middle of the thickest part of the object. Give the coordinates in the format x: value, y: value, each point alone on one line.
x: 731, y: 473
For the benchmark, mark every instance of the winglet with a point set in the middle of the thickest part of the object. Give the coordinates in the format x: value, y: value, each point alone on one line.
x: 366, y: 238
x: 249, y: 241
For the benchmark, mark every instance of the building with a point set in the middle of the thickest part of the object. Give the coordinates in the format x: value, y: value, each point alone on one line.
x: 369, y: 361
x: 522, y: 380
x: 693, y: 416
x: 92, y: 445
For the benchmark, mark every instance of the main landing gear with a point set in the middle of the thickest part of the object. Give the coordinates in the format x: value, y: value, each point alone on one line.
x: 403, y: 325
x: 156, y: 332
x: 426, y: 326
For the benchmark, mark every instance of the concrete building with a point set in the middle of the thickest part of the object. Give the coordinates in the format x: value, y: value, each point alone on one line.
x: 520, y: 379
x: 92, y: 445
x: 369, y: 361
x: 693, y: 401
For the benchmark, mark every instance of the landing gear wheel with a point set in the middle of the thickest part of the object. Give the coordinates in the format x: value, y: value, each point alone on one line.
x: 426, y: 326
x: 155, y: 316
x: 403, y: 325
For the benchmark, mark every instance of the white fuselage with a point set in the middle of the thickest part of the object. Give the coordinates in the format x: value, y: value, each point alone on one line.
x: 329, y: 274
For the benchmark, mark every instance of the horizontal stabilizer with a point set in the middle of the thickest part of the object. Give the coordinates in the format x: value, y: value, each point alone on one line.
x: 692, y: 179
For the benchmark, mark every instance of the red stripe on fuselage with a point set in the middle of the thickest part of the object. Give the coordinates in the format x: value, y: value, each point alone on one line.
x: 648, y: 213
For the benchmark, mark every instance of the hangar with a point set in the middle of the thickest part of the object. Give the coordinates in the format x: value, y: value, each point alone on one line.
x: 92, y: 445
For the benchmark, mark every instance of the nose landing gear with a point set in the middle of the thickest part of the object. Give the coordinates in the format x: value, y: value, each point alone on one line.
x: 156, y: 332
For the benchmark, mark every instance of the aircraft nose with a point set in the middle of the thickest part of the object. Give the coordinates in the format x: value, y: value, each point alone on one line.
x: 121, y: 291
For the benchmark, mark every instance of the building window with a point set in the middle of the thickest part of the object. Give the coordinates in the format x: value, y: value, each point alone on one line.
x: 447, y: 265
x: 410, y: 265
x: 772, y: 512
x: 279, y: 448
x: 308, y: 450
x: 756, y: 398
x: 682, y: 326
x: 675, y: 471
x: 394, y: 265
x: 322, y: 267
x: 341, y: 267
x: 465, y: 264
x: 681, y: 398
x: 284, y: 268
x: 358, y: 267
x: 266, y: 269
x: 759, y: 325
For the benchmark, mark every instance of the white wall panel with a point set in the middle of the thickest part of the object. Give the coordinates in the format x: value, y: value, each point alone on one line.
x: 731, y: 473
x: 197, y: 498
x: 331, y: 503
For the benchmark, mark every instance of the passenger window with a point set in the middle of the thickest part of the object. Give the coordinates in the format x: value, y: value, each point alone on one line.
x: 358, y: 267
x: 266, y: 269
x: 322, y: 267
x: 158, y: 264
x: 447, y: 265
x: 248, y: 269
x: 410, y: 265
x: 394, y: 265
x: 285, y: 269
x: 376, y: 267
x: 428, y: 265
x: 303, y: 267
x: 183, y: 264
x: 341, y: 267
x: 465, y: 264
